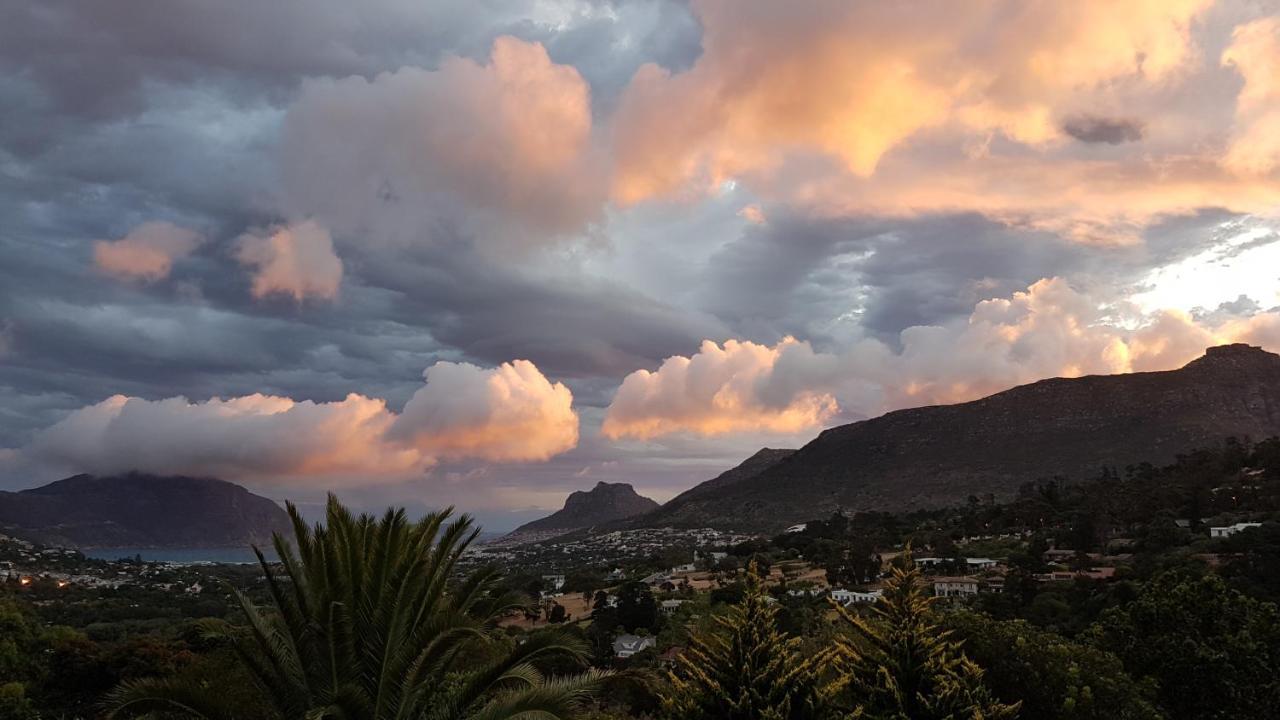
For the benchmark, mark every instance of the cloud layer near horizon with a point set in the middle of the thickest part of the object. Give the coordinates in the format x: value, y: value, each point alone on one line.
x: 1049, y: 330
x: 511, y: 413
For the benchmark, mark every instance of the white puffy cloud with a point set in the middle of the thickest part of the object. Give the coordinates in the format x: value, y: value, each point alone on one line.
x: 147, y: 253
x: 1049, y: 330
x: 506, y: 414
x: 509, y: 413
x: 296, y: 260
x: 502, y: 149
x: 716, y: 391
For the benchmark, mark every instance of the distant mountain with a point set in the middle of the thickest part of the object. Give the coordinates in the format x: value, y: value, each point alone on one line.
x: 137, y: 510
x: 935, y: 456
x: 604, y: 503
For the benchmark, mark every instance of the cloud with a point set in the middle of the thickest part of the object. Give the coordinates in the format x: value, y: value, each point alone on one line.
x: 296, y: 260
x: 503, y: 149
x: 899, y: 109
x: 1112, y: 131
x: 712, y: 393
x: 507, y: 414
x: 1255, y: 146
x: 147, y: 253
x: 1048, y: 330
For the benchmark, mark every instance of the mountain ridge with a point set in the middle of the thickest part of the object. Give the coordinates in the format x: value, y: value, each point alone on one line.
x: 602, y: 504
x: 936, y: 455
x: 141, y: 510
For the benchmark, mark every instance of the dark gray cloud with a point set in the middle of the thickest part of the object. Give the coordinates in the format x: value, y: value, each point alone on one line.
x: 1112, y: 131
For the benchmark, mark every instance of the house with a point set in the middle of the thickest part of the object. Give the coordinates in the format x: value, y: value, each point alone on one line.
x: 624, y: 646
x: 1229, y: 530
x: 616, y: 574
x: 685, y: 568
x: 670, y: 606
x: 853, y: 597
x: 655, y: 579
x: 797, y: 528
x: 955, y: 586
x: 556, y: 582
x: 980, y: 563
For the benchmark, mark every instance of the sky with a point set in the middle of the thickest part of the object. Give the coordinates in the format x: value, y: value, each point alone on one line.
x: 484, y: 253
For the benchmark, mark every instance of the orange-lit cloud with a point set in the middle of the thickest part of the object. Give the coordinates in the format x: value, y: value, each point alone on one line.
x: 297, y: 260
x: 147, y: 253
x: 1049, y: 330
x: 503, y: 148
x: 996, y: 106
x: 509, y: 413
x: 716, y: 391
x: 506, y: 414
x: 1255, y: 54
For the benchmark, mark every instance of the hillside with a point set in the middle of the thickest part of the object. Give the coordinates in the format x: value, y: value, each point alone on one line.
x: 934, y: 456
x: 137, y: 510
x: 604, y: 503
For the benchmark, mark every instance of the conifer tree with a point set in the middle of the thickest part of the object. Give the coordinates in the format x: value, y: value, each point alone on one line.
x: 901, y: 665
x: 747, y: 669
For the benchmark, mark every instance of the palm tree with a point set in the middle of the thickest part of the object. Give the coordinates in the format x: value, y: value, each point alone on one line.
x: 366, y: 624
x: 901, y: 664
x: 747, y: 669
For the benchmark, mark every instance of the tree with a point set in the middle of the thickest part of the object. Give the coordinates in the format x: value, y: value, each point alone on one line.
x: 1214, y: 652
x: 902, y: 665
x: 637, y: 607
x: 364, y: 624
x: 1054, y: 678
x: 558, y: 614
x: 746, y: 669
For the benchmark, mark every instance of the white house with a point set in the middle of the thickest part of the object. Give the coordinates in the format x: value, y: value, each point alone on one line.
x: 1229, y: 530
x: 624, y: 646
x: 670, y: 606
x: 797, y: 528
x: 685, y: 568
x: 955, y: 586
x: 853, y: 597
x: 980, y: 563
x: 555, y: 581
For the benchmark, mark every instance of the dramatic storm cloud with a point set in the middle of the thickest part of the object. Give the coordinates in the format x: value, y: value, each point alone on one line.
x: 714, y: 223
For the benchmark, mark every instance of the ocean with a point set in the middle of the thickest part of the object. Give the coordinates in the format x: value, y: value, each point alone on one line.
x: 180, y: 556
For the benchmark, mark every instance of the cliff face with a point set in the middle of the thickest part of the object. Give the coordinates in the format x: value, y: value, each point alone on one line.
x: 606, y: 502
x: 934, y: 456
x: 141, y: 510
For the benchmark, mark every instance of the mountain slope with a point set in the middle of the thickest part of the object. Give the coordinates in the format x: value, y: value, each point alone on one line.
x: 933, y: 456
x: 606, y: 502
x: 141, y: 510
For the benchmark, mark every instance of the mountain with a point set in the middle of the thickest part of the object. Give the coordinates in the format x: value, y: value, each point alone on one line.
x: 604, y: 503
x: 137, y: 510
x: 941, y: 455
x: 674, y: 511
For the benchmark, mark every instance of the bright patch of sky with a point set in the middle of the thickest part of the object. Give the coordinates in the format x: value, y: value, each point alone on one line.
x: 1246, y: 262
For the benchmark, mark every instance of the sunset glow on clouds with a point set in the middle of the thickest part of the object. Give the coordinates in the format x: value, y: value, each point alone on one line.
x: 1050, y: 330
x: 147, y: 253
x: 507, y: 414
x: 712, y: 222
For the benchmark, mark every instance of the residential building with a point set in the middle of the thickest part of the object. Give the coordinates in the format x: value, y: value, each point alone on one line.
x: 955, y: 586
x: 624, y: 646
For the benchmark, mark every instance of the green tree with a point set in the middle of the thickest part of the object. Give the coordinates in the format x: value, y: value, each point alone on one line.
x: 365, y: 624
x: 901, y: 664
x: 1054, y: 678
x: 746, y: 669
x: 1214, y: 652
